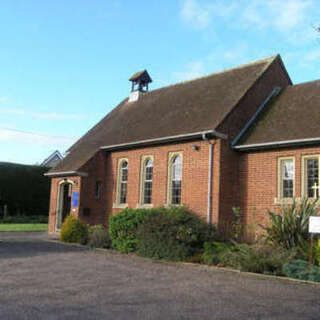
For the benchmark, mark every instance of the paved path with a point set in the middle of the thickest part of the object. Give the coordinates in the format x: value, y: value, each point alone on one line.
x: 46, y: 280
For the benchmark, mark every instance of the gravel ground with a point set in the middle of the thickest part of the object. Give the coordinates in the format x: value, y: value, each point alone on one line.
x: 47, y: 280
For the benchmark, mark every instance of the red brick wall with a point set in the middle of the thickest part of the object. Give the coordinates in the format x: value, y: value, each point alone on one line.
x: 103, y: 167
x: 259, y: 182
x: 230, y: 191
x: 96, y: 169
x: 194, y: 175
x: 227, y: 189
x: 54, y: 198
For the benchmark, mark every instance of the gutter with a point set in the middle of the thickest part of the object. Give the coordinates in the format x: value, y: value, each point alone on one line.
x: 66, y: 173
x: 209, y: 197
x: 276, y: 144
x: 163, y: 140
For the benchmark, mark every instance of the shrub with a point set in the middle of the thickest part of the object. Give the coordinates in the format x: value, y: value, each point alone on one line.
x: 99, y: 237
x: 73, y: 230
x: 172, y: 234
x: 289, y: 228
x: 258, y: 258
x: 25, y: 219
x: 214, y: 251
x: 123, y: 228
x: 300, y: 269
x: 317, y: 252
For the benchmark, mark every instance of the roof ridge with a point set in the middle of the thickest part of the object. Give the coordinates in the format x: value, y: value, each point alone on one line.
x: 259, y: 75
x: 241, y: 66
x: 303, y: 83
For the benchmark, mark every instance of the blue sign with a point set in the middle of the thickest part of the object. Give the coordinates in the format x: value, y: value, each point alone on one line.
x: 75, y: 198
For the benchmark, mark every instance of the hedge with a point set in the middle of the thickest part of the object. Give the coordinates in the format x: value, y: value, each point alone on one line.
x: 24, y: 189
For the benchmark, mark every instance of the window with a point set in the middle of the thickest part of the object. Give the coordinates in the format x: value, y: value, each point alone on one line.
x: 175, y: 177
x: 122, y: 181
x: 286, y: 178
x: 310, y: 176
x: 97, y: 190
x: 147, y: 176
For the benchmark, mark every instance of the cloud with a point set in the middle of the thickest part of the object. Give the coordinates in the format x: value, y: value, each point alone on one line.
x: 8, y: 134
x: 288, y: 14
x: 308, y: 59
x: 194, y: 69
x: 39, y: 115
x: 280, y: 15
x: 3, y: 99
x: 193, y: 12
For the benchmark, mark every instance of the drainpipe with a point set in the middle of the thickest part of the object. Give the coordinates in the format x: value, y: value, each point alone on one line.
x: 209, y: 205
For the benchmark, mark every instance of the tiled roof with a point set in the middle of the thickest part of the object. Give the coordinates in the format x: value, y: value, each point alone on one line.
x: 292, y: 117
x: 191, y: 106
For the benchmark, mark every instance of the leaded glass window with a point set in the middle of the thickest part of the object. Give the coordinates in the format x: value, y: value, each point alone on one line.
x: 123, y: 182
x: 287, y: 177
x: 176, y: 176
x: 147, y: 183
x: 312, y: 170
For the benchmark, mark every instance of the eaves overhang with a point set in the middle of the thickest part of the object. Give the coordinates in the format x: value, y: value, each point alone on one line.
x: 66, y: 174
x: 164, y: 140
x: 278, y: 144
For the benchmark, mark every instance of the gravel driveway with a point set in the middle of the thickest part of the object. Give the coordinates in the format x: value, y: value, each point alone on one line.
x: 47, y: 280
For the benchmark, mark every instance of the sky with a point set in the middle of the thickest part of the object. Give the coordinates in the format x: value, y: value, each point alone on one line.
x: 65, y: 64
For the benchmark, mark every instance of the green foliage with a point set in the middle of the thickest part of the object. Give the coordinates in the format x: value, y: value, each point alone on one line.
x: 24, y: 189
x: 74, y: 231
x: 123, y: 228
x: 300, y: 269
x: 214, y: 251
x: 99, y: 237
x: 172, y: 234
x: 237, y: 224
x: 289, y: 228
x: 257, y: 258
x: 317, y: 252
x: 25, y: 219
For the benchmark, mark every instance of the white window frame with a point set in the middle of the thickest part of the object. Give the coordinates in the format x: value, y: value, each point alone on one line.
x: 118, y: 189
x: 144, y: 160
x: 304, y: 176
x: 171, y: 157
x: 280, y: 176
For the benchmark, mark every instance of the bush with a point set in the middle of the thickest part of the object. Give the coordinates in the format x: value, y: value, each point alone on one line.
x: 123, y: 228
x: 74, y: 231
x: 214, y: 251
x: 257, y: 258
x: 99, y: 237
x: 289, y: 228
x: 24, y: 219
x: 317, y: 252
x: 172, y: 234
x: 299, y: 269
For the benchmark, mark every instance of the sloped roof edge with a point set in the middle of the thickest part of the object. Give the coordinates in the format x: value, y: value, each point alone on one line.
x: 76, y: 163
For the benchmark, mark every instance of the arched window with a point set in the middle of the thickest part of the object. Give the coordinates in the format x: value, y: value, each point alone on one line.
x: 147, y: 182
x: 123, y: 179
x: 176, y: 177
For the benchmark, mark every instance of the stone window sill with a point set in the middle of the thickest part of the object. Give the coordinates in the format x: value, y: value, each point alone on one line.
x: 281, y: 201
x: 144, y: 206
x: 120, y: 206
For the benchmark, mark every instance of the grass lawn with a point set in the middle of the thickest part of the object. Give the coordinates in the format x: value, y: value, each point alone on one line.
x: 16, y: 227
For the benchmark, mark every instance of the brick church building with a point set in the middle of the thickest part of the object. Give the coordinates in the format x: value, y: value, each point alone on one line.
x: 245, y: 137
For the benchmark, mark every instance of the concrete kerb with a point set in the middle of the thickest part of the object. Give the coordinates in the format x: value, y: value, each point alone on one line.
x: 197, y: 265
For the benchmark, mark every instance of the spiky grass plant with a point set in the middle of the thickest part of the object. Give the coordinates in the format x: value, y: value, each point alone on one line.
x: 289, y: 227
